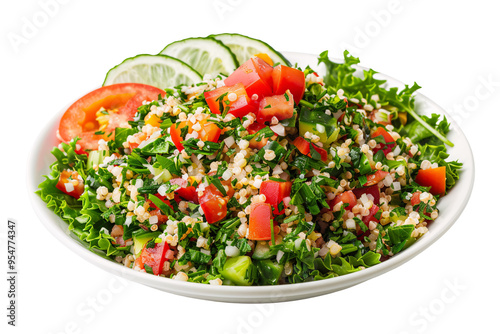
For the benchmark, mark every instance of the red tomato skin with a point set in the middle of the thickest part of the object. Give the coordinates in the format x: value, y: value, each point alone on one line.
x: 210, y: 132
x: 434, y: 178
x: 275, y: 192
x: 239, y: 108
x: 259, y: 227
x: 185, y: 191
x: 213, y: 204
x: 371, y: 216
x: 64, y: 177
x: 287, y: 78
x: 175, y: 133
x: 254, y: 128
x: 80, y: 118
x: 153, y: 257
x: 322, y: 152
x: 304, y: 147
x: 345, y: 197
x: 375, y: 178
x: 164, y: 199
x: 371, y: 190
x: 390, y: 142
x: 256, y: 75
x: 275, y: 106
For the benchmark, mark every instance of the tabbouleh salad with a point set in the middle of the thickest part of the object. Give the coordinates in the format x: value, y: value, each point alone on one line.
x: 271, y: 175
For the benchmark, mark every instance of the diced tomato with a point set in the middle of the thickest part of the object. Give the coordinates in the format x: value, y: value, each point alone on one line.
x: 120, y: 100
x: 153, y: 257
x: 241, y: 106
x: 259, y: 227
x: 434, y: 178
x: 185, y: 190
x: 80, y: 150
x: 213, y: 203
x: 279, y: 106
x: 415, y: 198
x: 275, y: 192
x: 70, y: 183
x: 371, y: 190
x: 209, y: 132
x: 390, y: 143
x: 345, y: 197
x: 254, y: 128
x: 287, y: 78
x: 175, y: 133
x: 304, y: 147
x: 256, y: 75
x: 375, y: 178
x: 371, y: 215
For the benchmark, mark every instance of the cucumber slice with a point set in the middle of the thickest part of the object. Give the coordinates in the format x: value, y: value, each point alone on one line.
x: 245, y: 47
x: 156, y: 70
x: 205, y: 55
x: 239, y: 270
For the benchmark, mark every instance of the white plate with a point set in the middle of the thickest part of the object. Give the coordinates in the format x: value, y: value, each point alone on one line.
x: 450, y: 206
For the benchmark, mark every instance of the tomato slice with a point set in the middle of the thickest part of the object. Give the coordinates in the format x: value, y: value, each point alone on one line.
x: 304, y: 147
x: 287, y: 78
x: 153, y: 257
x: 239, y: 107
x: 213, y: 203
x: 120, y: 101
x: 185, y: 190
x: 259, y: 227
x: 256, y: 75
x: 70, y: 183
x: 389, y: 140
x: 345, y: 197
x: 371, y: 190
x: 279, y: 106
x: 275, y: 192
x: 434, y: 178
x: 375, y: 178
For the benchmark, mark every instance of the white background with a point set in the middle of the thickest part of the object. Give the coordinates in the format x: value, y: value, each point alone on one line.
x: 450, y: 48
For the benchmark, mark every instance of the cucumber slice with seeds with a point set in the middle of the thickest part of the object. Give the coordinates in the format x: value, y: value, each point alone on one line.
x: 156, y: 70
x: 245, y: 47
x: 205, y: 55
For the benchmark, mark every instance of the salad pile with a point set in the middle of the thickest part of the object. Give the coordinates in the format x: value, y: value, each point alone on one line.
x: 267, y: 174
